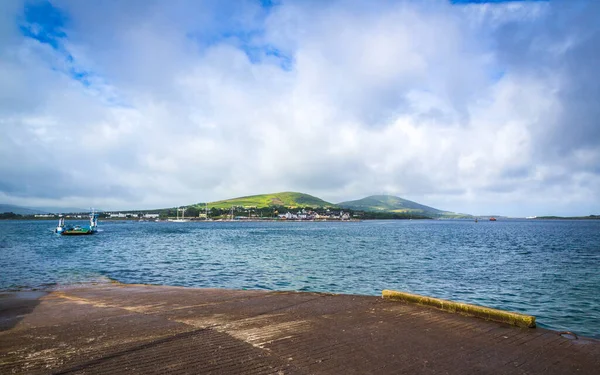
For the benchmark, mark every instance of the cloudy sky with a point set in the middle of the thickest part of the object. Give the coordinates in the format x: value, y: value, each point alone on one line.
x: 470, y: 106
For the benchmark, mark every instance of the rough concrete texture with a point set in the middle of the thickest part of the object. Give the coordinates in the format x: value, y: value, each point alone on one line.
x: 137, y: 329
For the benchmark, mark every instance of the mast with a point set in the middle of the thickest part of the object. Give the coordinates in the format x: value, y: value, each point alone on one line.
x: 182, y: 209
x: 93, y: 219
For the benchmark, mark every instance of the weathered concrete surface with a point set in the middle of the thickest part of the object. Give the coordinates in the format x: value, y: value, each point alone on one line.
x: 140, y: 329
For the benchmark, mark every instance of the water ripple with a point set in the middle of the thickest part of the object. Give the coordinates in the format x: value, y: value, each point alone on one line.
x: 544, y: 268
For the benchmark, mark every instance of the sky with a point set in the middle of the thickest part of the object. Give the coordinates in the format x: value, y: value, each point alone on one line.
x: 480, y: 107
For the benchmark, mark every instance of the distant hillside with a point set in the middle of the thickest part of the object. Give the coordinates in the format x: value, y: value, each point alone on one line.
x: 287, y: 199
x: 38, y: 210
x: 63, y: 210
x: 20, y: 210
x: 389, y: 203
x: 589, y: 217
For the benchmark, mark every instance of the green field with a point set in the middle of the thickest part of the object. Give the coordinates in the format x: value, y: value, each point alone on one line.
x: 286, y: 199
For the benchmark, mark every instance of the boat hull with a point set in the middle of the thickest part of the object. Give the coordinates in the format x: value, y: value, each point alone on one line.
x: 77, y: 232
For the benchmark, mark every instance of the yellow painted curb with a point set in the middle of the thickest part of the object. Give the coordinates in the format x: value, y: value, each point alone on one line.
x: 516, y: 319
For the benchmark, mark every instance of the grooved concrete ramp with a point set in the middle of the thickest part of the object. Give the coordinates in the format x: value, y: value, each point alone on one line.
x: 136, y: 329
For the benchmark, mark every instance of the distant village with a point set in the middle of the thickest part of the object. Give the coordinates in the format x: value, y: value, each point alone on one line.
x: 313, y: 215
x: 235, y: 213
x: 200, y: 212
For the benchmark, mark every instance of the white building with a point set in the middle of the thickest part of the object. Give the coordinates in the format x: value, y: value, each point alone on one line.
x: 113, y: 215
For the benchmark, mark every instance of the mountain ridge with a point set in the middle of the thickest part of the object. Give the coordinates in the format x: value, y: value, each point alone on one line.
x: 394, y: 204
x: 21, y: 210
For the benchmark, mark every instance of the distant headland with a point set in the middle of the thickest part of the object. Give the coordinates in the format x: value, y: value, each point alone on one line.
x: 280, y: 206
x: 277, y: 206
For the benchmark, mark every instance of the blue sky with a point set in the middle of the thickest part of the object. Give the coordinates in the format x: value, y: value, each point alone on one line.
x: 488, y: 1
x: 469, y: 106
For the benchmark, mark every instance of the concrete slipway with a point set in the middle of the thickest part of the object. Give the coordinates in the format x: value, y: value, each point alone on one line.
x: 139, y: 329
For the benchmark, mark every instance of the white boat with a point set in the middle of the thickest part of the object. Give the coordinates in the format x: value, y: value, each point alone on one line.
x: 178, y: 220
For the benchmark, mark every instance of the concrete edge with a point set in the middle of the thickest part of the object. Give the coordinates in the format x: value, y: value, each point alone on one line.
x: 513, y: 318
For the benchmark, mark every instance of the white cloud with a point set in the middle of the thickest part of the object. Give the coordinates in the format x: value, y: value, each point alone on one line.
x: 427, y: 101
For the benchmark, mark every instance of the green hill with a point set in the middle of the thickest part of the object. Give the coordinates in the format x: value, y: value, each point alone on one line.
x: 389, y: 203
x: 287, y: 199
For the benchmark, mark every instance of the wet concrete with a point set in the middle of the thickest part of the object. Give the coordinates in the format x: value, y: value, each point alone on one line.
x: 141, y: 329
x: 14, y: 306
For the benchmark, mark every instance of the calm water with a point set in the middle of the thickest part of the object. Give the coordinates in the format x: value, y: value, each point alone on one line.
x: 545, y: 268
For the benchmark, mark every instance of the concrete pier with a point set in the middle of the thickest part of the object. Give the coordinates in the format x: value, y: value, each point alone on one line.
x: 138, y: 329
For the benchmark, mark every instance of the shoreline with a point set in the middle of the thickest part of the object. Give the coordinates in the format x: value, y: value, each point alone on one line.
x: 124, y: 220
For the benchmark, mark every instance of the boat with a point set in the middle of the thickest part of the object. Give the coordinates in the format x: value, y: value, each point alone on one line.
x: 492, y: 218
x: 77, y: 230
x: 206, y: 213
x: 61, y: 225
x: 178, y: 220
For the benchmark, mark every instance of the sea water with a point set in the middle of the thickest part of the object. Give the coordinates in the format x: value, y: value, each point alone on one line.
x: 550, y: 269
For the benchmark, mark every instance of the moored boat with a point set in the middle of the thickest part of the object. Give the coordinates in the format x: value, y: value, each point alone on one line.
x: 492, y: 218
x: 77, y: 230
x: 178, y: 220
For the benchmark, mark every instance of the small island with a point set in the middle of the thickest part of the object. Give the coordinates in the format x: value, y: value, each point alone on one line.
x: 589, y: 217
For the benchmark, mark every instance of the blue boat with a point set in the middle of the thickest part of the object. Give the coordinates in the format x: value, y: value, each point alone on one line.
x: 77, y: 230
